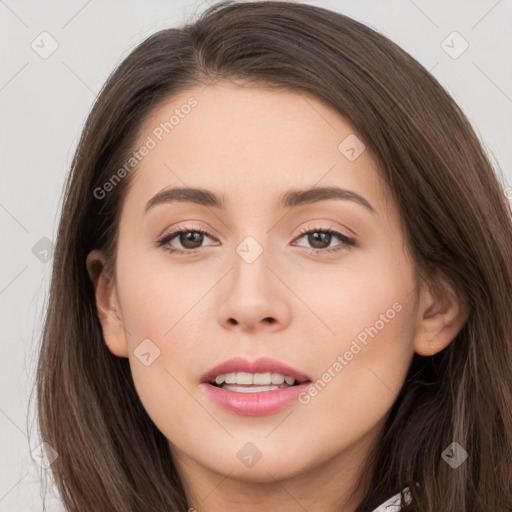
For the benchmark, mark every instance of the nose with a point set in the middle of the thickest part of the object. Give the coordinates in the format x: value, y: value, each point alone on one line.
x: 254, y: 297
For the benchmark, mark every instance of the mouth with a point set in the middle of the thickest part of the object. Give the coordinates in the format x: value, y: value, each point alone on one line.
x: 253, y: 388
x: 243, y: 376
x: 245, y: 382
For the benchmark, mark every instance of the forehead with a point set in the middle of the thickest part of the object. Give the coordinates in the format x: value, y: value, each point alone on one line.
x: 250, y: 142
x: 227, y: 117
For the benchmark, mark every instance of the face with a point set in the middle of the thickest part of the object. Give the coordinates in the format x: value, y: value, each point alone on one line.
x: 324, y: 285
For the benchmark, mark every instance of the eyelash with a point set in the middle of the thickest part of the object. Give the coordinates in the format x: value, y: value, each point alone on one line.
x: 347, y: 242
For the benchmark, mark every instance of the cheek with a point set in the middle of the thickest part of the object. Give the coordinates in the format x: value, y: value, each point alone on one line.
x: 363, y: 297
x: 160, y: 352
x: 359, y: 374
x: 161, y: 307
x: 157, y: 297
x: 364, y: 342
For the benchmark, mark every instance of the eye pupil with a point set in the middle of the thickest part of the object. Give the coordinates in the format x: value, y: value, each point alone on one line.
x: 190, y: 237
x: 318, y: 236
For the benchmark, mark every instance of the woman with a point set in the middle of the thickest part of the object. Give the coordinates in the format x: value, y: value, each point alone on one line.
x: 282, y: 279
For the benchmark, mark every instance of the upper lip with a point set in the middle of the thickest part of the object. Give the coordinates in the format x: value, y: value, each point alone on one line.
x: 261, y: 365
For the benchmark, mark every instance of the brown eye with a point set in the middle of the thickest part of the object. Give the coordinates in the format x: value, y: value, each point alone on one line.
x: 191, y: 242
x: 189, y: 239
x: 319, y: 240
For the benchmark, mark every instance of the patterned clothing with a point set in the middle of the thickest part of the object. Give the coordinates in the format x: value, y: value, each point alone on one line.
x: 394, y: 503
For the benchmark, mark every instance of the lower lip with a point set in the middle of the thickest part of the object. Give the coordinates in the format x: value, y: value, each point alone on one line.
x: 254, y: 404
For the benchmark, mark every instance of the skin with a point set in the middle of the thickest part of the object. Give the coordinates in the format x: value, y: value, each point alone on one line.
x: 251, y: 144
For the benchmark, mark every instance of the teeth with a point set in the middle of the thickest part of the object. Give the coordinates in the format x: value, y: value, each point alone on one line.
x: 258, y: 379
x: 277, y: 378
x: 230, y: 378
x: 244, y: 378
x: 252, y: 389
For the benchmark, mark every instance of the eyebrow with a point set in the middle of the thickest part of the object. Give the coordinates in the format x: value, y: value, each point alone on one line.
x: 289, y: 199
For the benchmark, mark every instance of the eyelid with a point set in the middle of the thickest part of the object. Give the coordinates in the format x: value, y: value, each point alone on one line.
x: 173, y: 232
x: 200, y: 226
x: 318, y: 227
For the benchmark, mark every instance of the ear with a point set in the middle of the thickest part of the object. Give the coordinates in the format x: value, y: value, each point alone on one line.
x: 443, y: 311
x: 107, y: 304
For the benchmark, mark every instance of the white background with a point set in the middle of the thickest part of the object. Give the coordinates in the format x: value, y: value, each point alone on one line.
x: 44, y: 103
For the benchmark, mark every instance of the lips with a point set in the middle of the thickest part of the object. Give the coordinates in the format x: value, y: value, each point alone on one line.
x: 254, y: 400
x: 261, y: 365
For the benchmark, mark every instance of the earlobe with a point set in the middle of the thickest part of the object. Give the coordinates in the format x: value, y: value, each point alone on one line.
x: 442, y: 314
x: 107, y: 304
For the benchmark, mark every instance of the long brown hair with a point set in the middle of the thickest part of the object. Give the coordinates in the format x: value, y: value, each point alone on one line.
x: 456, y: 218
